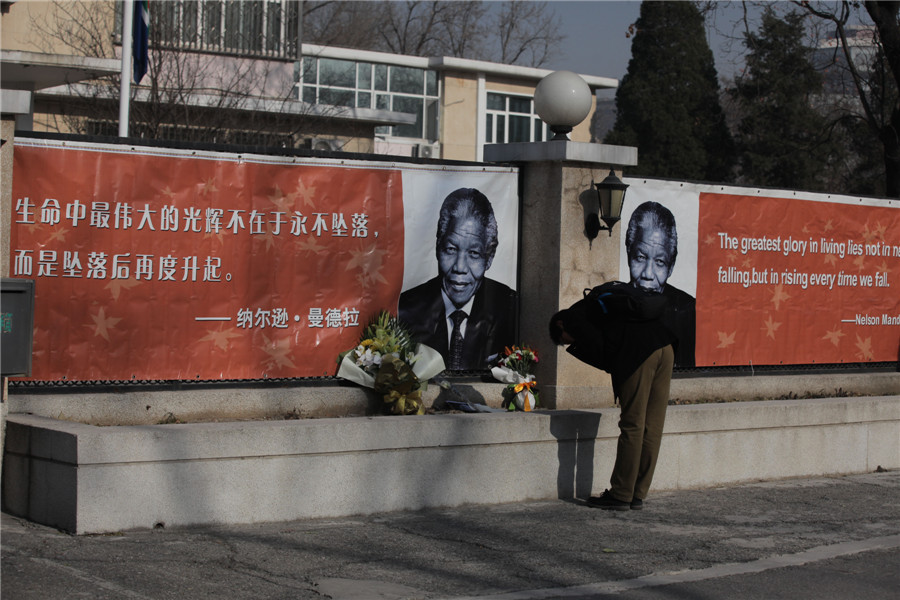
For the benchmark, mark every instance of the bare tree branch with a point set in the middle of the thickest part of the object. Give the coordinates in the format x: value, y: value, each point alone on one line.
x: 515, y: 32
x: 839, y: 19
x: 525, y: 28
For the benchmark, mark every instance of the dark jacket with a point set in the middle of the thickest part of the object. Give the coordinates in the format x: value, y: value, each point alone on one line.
x: 681, y: 319
x: 491, y: 326
x: 618, y: 333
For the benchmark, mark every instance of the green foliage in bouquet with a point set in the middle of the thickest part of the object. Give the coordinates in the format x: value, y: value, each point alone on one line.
x: 515, y: 369
x: 387, y: 352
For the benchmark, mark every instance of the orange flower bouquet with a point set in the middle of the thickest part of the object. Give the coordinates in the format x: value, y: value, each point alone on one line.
x: 514, y: 369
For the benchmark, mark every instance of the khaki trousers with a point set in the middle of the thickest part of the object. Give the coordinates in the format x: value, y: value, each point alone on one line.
x: 643, y: 397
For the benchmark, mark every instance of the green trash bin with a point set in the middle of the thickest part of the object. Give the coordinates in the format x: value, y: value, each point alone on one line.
x: 16, y: 326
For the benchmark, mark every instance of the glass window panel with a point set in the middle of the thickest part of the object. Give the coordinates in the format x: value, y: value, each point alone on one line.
x: 164, y: 24
x: 431, y: 120
x: 538, y: 130
x: 252, y: 25
x: 501, y: 129
x: 117, y: 29
x: 336, y: 97
x: 489, y: 130
x: 496, y: 102
x: 233, y: 25
x: 364, y: 100
x: 309, y: 70
x: 519, y: 104
x: 380, y: 130
x: 292, y: 25
x: 519, y: 129
x: 407, y: 80
x: 405, y: 104
x: 381, y: 78
x: 340, y: 73
x: 273, y: 27
x: 212, y: 22
x: 190, y: 30
x: 309, y: 94
x: 383, y: 102
x: 431, y: 83
x: 364, y: 76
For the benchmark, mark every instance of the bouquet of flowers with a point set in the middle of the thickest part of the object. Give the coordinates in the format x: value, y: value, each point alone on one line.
x: 388, y: 361
x: 514, y: 369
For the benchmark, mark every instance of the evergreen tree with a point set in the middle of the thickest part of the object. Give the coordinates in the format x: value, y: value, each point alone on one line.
x: 668, y: 102
x: 782, y: 139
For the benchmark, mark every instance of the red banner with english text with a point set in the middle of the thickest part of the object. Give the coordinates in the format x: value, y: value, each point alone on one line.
x: 792, y: 281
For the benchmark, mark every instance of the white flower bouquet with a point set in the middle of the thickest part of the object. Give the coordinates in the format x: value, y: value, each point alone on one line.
x: 388, y: 361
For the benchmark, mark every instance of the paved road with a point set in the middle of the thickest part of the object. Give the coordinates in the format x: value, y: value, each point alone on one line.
x: 809, y: 538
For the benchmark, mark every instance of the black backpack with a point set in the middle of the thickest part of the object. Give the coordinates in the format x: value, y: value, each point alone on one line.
x: 599, y: 316
x: 619, y: 299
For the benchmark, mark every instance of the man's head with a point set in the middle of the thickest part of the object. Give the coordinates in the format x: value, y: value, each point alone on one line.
x: 466, y: 243
x: 558, y: 332
x: 651, y: 244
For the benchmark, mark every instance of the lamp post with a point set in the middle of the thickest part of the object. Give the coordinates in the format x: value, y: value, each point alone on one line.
x: 562, y: 100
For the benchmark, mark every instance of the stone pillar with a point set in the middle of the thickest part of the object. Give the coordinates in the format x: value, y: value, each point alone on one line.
x: 15, y: 103
x: 557, y: 261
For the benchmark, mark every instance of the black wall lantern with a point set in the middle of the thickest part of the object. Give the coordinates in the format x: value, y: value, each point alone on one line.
x: 611, y: 192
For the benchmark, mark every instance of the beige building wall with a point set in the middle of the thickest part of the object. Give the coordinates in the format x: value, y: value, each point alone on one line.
x: 22, y: 25
x: 458, y: 129
x: 460, y: 113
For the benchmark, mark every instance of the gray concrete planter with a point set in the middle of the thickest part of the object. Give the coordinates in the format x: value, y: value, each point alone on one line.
x: 91, y: 479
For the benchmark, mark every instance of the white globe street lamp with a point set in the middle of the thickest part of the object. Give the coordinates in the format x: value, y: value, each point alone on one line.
x: 562, y: 100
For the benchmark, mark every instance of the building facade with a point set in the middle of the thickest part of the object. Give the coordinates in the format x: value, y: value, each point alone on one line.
x: 235, y: 72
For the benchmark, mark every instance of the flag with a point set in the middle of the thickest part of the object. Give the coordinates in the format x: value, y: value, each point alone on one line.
x: 140, y: 37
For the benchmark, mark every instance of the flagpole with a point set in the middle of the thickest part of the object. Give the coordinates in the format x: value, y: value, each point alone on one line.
x: 125, y: 88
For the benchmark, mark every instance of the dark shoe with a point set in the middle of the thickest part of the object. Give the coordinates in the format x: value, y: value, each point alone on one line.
x: 607, y: 502
x: 637, y: 504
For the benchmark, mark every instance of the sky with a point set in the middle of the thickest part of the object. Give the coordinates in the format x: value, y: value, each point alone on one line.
x: 595, y: 42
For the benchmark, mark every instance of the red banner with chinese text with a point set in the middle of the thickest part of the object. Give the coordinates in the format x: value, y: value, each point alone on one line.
x: 163, y: 265
x: 790, y: 281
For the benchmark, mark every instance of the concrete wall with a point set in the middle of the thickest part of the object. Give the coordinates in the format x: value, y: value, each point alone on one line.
x: 89, y: 479
x: 7, y: 130
x: 189, y: 404
x: 7, y: 125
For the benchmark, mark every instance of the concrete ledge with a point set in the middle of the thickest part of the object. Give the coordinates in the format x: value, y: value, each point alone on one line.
x: 135, y: 405
x: 562, y: 151
x: 777, y: 385
x: 89, y: 479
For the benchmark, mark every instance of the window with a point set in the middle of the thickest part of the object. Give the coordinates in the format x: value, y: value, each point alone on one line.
x: 383, y: 87
x: 337, y: 73
x: 245, y: 27
x: 408, y: 104
x: 512, y: 119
